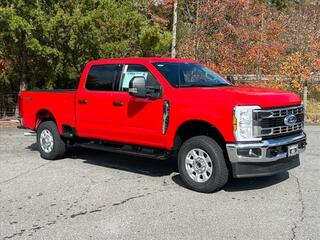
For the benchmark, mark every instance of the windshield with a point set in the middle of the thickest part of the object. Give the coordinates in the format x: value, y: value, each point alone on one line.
x: 190, y: 75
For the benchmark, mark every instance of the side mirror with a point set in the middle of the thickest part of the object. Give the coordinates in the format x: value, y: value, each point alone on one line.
x: 137, y: 87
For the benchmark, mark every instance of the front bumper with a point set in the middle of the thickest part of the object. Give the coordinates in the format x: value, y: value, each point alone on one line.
x: 269, y: 156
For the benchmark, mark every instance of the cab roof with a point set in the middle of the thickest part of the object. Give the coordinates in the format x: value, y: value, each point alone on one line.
x: 161, y: 59
x: 142, y: 59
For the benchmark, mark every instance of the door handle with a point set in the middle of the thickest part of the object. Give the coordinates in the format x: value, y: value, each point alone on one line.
x: 117, y: 104
x: 83, y: 101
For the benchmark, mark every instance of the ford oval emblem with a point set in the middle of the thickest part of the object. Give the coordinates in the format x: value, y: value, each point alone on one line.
x: 290, y: 120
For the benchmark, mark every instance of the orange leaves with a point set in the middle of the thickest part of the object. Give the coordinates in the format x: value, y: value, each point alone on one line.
x: 242, y: 1
x: 248, y: 37
x: 234, y: 35
x: 317, y: 64
x: 219, y: 37
x: 278, y: 84
x: 296, y: 68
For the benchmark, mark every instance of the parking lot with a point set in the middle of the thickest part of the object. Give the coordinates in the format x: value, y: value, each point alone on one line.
x: 100, y: 195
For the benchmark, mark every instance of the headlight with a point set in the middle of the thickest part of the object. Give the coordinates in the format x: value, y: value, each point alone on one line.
x: 243, y: 123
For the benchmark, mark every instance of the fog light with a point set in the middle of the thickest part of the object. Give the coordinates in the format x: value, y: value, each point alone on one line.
x: 249, y: 152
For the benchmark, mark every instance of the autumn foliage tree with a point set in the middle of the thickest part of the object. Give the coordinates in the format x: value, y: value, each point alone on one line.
x: 253, y: 37
x: 235, y: 36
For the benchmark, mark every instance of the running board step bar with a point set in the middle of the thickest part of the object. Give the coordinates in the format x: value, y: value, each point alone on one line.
x: 129, y: 150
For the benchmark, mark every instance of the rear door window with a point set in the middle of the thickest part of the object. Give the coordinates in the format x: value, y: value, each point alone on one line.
x: 103, y: 77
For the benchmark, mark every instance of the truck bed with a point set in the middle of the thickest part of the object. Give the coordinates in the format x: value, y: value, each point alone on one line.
x: 59, y: 103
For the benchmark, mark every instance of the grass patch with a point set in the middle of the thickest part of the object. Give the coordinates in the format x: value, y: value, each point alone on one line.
x: 313, y: 111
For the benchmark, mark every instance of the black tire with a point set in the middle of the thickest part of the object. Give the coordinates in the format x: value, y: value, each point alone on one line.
x: 59, y: 146
x: 219, y: 175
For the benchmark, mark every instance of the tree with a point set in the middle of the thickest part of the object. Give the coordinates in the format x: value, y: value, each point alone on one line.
x: 46, y: 43
x: 251, y: 37
x: 233, y: 36
x: 280, y: 4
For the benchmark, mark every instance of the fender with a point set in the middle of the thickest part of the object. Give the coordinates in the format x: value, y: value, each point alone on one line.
x: 219, y: 122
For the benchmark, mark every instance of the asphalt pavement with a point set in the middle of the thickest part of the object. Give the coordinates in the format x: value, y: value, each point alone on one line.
x: 99, y: 195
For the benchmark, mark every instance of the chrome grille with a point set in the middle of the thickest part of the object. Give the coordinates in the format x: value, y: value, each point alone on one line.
x: 281, y: 112
x: 270, y: 122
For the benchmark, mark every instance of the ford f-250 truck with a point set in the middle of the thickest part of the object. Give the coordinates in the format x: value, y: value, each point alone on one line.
x: 159, y: 107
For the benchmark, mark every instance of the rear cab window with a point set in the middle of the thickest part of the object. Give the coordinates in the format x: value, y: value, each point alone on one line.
x: 103, y: 77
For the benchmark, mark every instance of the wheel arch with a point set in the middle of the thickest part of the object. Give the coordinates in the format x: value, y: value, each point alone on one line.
x: 44, y: 115
x: 192, y: 128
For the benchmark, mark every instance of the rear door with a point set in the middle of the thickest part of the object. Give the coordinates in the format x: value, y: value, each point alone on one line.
x: 94, y: 103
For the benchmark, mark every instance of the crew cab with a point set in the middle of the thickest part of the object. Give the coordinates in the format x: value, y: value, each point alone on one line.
x: 177, y: 108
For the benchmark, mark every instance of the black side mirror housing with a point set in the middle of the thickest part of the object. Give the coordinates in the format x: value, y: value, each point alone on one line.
x: 137, y: 87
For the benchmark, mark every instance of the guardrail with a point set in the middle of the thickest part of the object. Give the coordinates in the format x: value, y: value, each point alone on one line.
x: 8, y: 105
x: 247, y: 78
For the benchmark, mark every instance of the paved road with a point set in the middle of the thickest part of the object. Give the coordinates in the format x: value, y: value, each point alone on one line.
x: 98, y: 195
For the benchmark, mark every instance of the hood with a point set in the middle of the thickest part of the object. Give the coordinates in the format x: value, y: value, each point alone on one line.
x: 245, y: 95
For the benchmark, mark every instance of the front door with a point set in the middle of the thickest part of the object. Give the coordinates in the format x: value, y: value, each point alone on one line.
x: 138, y: 120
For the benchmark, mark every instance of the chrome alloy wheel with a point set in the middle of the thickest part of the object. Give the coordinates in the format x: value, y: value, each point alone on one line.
x: 198, y: 165
x: 46, y: 141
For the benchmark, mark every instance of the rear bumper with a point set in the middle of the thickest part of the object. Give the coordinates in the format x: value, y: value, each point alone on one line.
x: 267, y: 157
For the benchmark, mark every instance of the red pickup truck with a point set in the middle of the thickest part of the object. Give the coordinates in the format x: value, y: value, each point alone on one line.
x: 161, y: 107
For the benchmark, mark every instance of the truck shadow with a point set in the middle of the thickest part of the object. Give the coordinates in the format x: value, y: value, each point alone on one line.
x: 33, y: 147
x: 246, y: 184
x: 159, y: 168
x: 133, y: 164
x: 129, y: 163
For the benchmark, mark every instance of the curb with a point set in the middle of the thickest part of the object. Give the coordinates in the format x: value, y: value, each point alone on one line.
x: 9, y: 121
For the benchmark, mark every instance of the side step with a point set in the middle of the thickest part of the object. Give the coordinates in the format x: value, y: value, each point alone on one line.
x: 129, y: 150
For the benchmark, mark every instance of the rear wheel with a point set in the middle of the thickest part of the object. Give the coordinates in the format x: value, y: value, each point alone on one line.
x: 202, y: 165
x: 49, y: 141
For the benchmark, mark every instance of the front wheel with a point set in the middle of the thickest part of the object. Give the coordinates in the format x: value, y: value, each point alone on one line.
x: 202, y: 165
x: 49, y: 141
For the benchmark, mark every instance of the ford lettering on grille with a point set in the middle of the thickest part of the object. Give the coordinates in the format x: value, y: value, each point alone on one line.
x: 290, y: 120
